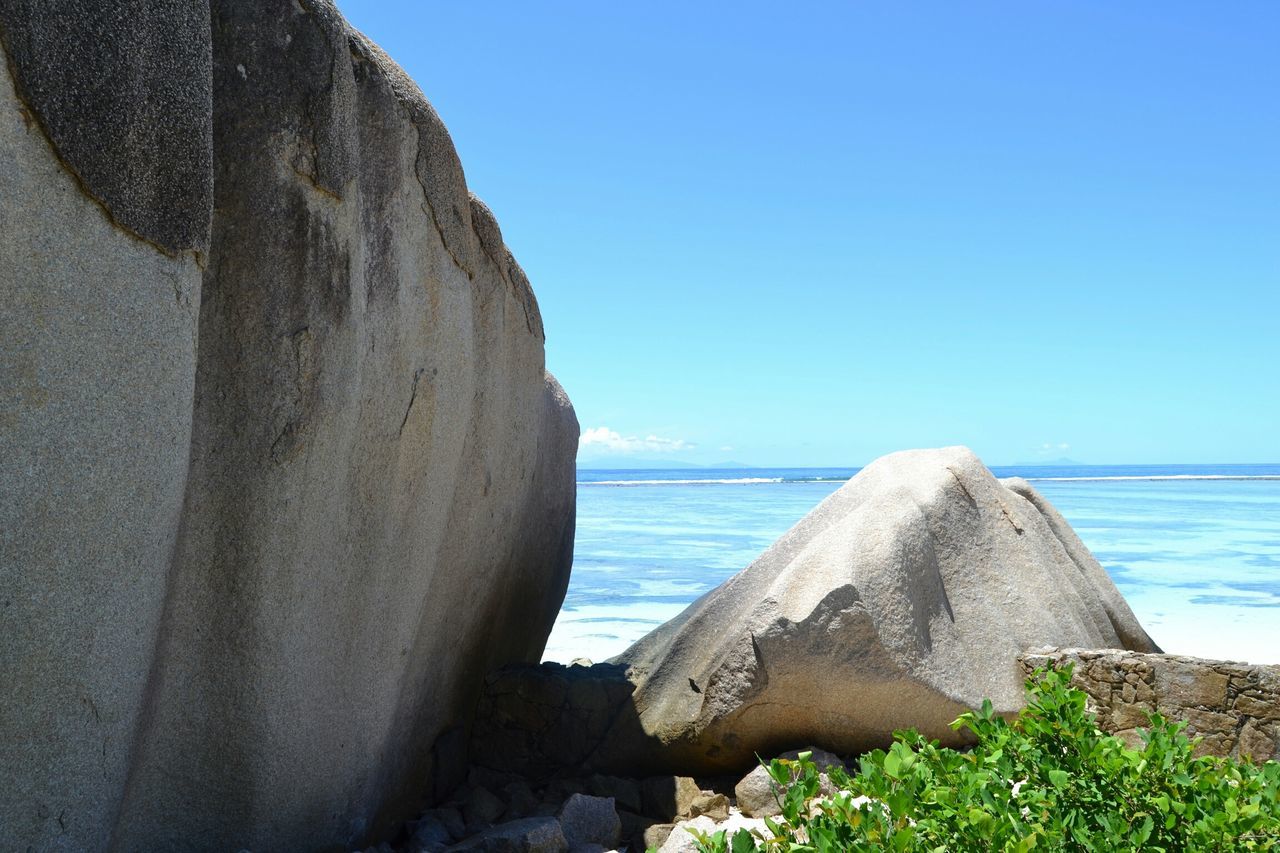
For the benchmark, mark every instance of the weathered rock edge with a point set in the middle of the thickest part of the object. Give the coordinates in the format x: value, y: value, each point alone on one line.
x: 1234, y: 707
x: 283, y: 473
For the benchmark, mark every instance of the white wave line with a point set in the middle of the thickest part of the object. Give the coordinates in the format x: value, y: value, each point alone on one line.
x: 743, y: 481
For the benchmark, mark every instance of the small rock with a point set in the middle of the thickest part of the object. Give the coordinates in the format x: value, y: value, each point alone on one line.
x: 757, y: 795
x: 529, y: 835
x: 714, y: 806
x: 581, y: 662
x: 429, y: 831
x: 451, y: 818
x: 520, y: 801
x: 668, y: 797
x: 586, y: 819
x: 481, y: 807
x: 681, y: 841
x: 657, y: 835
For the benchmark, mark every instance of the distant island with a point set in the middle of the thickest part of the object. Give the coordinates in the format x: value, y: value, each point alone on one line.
x: 1043, y: 462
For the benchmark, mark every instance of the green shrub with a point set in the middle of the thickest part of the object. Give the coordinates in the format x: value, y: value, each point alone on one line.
x: 1047, y: 780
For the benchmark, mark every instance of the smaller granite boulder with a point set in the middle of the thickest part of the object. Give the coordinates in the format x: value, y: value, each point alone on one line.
x: 758, y: 795
x: 590, y: 820
x: 714, y: 806
x: 450, y: 818
x: 657, y: 835
x: 521, y: 801
x: 529, y: 835
x: 430, y: 832
x: 481, y: 807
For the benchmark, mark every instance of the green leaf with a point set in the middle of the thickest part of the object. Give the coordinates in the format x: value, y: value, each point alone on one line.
x: 743, y: 842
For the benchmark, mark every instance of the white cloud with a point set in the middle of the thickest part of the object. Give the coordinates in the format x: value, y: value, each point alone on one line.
x: 1050, y: 447
x: 608, y: 441
x: 726, y: 448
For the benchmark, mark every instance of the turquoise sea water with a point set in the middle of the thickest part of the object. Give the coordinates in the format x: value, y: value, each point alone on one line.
x: 1194, y: 548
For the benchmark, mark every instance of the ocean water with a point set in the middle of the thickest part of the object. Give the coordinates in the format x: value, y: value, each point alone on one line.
x: 1195, y: 549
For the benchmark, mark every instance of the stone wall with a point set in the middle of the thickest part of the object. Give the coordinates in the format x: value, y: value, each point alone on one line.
x: 540, y: 721
x: 1233, y: 707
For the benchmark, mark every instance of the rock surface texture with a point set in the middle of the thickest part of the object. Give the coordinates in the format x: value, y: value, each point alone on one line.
x: 902, y: 600
x: 281, y: 471
x: 1233, y: 707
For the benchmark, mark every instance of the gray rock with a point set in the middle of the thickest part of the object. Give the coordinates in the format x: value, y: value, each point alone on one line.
x: 757, y: 795
x: 431, y: 830
x: 269, y: 502
x: 481, y: 807
x: 901, y: 601
x: 590, y: 820
x: 529, y: 835
x: 450, y: 818
x: 521, y: 801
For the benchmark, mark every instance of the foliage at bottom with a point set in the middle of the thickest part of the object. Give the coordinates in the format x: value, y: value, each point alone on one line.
x: 1048, y: 780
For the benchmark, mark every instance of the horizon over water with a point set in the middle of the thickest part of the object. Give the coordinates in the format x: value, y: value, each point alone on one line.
x: 1194, y: 549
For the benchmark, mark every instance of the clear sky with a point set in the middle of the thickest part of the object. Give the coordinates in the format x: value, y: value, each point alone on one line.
x: 812, y: 233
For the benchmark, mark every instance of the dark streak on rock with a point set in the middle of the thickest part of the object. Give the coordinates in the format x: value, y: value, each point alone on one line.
x: 413, y: 395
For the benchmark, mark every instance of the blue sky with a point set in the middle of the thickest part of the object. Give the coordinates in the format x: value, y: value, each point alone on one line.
x: 814, y: 233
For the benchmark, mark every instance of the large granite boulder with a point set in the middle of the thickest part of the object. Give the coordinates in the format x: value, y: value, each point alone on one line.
x: 281, y: 471
x: 902, y: 600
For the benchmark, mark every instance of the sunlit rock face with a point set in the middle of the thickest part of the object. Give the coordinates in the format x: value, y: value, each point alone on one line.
x: 283, y: 475
x: 901, y: 601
